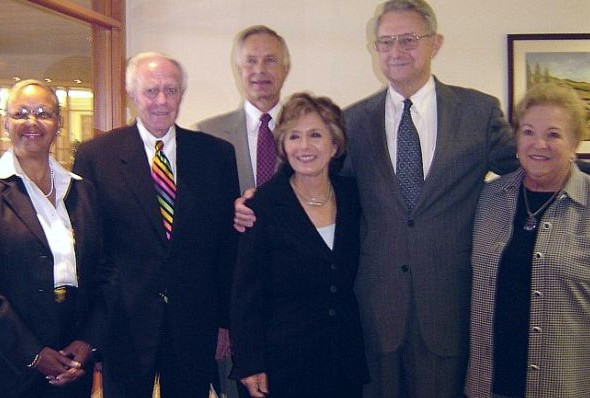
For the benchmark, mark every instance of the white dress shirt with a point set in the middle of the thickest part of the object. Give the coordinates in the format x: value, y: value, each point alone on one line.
x: 54, y: 220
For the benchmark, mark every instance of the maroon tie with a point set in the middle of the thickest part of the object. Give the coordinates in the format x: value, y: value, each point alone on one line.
x: 266, y: 155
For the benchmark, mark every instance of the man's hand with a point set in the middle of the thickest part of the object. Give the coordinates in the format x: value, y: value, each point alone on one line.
x: 257, y: 385
x: 223, y: 345
x: 243, y: 215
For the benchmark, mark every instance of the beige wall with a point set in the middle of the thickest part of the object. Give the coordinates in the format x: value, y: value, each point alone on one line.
x: 328, y: 42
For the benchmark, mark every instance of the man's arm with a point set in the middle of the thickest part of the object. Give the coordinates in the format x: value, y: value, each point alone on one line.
x: 244, y: 216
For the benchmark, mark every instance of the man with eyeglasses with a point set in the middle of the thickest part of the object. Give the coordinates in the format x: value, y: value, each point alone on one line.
x: 165, y: 196
x: 420, y: 166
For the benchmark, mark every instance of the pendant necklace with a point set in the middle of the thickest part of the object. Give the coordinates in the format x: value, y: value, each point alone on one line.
x: 314, y: 202
x: 531, y: 221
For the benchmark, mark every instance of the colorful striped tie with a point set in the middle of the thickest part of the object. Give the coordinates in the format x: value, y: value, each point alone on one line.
x: 165, y: 186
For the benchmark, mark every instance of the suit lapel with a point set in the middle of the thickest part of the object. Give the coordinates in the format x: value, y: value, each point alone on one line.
x: 239, y: 131
x: 377, y: 136
x: 18, y: 200
x: 448, y: 122
x: 135, y: 169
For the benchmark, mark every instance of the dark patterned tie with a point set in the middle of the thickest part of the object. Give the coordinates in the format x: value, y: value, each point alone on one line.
x: 410, y: 174
x: 165, y: 186
x: 266, y: 155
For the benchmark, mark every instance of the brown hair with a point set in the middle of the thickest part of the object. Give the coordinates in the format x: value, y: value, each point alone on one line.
x: 301, y: 104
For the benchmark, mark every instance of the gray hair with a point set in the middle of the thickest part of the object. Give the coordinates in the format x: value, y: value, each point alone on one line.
x: 256, y: 30
x: 419, y: 6
x: 18, y: 87
x: 135, y: 62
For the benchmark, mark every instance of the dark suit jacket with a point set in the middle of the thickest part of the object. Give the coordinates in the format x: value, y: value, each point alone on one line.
x: 28, y: 317
x: 193, y: 268
x: 427, y: 252
x: 292, y: 302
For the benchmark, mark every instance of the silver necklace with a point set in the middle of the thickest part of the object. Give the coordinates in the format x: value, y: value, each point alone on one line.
x: 52, y: 183
x: 531, y: 221
x: 314, y: 202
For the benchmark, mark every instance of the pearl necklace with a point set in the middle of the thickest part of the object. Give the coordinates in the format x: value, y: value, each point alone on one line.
x: 311, y: 201
x: 52, y: 183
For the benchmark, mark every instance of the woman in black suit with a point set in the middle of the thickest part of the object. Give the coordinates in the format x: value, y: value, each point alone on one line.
x: 295, y: 324
x: 53, y: 297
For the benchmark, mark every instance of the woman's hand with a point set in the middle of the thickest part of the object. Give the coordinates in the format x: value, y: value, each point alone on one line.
x: 257, y: 385
x: 59, y: 369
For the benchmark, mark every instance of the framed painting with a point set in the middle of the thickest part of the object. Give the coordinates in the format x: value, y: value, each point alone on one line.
x: 563, y: 58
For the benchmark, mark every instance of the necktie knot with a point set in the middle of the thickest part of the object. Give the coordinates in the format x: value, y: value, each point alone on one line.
x: 159, y: 145
x: 265, y: 118
x: 407, y: 105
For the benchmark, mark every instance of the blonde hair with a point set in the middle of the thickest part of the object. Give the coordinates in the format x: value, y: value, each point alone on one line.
x: 563, y: 97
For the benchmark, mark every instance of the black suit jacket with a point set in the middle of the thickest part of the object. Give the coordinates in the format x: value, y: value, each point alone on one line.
x: 193, y: 268
x: 28, y: 317
x: 292, y: 301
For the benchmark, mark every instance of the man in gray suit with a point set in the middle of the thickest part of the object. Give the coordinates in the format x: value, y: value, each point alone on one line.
x: 262, y: 60
x: 414, y: 278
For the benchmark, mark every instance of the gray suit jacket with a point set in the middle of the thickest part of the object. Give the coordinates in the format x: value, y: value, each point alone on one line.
x: 231, y: 127
x: 425, y: 254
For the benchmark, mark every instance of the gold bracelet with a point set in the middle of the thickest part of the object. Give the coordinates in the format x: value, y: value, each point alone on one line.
x: 35, y: 362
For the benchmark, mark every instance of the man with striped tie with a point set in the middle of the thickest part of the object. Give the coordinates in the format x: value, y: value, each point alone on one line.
x: 166, y: 197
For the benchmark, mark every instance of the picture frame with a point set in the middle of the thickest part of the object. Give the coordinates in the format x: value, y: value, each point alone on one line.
x: 560, y: 57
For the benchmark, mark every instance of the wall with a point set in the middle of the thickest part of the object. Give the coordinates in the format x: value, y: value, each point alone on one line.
x: 328, y: 41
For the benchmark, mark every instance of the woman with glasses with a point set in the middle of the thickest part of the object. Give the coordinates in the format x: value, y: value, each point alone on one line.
x: 53, y: 290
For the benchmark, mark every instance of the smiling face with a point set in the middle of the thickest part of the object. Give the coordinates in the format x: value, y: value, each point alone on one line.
x: 546, y: 147
x: 309, y: 146
x: 262, y: 70
x: 157, y: 94
x: 32, y: 121
x: 407, y: 70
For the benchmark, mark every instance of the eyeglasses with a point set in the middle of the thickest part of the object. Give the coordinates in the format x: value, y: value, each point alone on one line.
x: 39, y: 113
x: 406, y: 41
x: 153, y: 92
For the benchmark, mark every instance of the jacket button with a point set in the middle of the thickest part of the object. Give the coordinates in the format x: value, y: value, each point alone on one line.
x: 410, y: 223
x: 332, y: 312
x: 405, y: 268
x: 333, y: 289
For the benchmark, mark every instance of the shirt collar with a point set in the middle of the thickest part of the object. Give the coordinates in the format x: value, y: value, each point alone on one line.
x: 10, y: 166
x: 149, y: 139
x: 253, y: 114
x: 420, y: 99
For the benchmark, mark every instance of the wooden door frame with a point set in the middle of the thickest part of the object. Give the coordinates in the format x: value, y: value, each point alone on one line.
x: 107, y: 19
